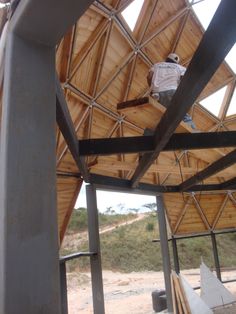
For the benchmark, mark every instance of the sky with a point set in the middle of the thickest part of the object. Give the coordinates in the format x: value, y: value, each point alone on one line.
x: 117, y: 201
x: 205, y: 11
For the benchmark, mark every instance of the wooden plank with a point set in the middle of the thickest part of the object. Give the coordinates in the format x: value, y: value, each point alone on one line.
x: 66, y: 126
x: 163, y: 26
x: 184, y: 300
x: 132, y: 103
x: 209, y: 53
x: 174, y: 296
x: 95, y: 36
x: 215, y: 167
x: 179, y: 296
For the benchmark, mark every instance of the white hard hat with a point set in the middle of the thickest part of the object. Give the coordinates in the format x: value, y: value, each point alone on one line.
x: 174, y: 57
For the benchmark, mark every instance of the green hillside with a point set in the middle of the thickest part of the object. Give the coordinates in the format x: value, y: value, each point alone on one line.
x: 130, y: 248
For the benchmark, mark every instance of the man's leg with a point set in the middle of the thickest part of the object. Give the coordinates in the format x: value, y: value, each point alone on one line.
x: 164, y: 98
x: 187, y: 119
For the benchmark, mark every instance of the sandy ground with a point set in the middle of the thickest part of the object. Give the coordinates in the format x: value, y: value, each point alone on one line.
x: 127, y: 293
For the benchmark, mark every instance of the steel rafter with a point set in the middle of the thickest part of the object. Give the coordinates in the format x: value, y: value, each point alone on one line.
x: 66, y: 126
x: 215, y: 167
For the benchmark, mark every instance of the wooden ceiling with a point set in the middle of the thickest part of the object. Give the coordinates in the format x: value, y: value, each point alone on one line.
x: 100, y: 63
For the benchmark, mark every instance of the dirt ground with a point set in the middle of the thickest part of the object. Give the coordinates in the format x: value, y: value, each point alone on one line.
x: 128, y: 293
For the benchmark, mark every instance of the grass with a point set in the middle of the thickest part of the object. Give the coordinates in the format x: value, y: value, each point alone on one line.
x: 130, y: 248
x: 78, y: 221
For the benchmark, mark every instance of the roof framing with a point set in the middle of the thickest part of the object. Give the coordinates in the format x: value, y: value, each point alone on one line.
x: 205, y: 62
x: 215, y: 167
x: 66, y: 126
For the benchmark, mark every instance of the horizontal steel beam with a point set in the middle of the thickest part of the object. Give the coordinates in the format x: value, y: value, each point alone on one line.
x: 70, y: 257
x: 141, y: 144
x: 198, y: 235
x: 124, y: 185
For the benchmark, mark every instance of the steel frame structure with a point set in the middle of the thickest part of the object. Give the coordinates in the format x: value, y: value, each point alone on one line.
x: 31, y: 49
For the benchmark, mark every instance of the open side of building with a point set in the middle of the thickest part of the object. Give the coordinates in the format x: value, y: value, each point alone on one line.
x: 100, y: 101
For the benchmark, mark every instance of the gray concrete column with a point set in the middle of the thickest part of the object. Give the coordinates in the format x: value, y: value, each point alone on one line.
x: 29, y: 263
x: 164, y: 250
x: 94, y: 246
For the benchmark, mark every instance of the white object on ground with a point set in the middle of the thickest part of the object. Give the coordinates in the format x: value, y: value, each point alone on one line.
x: 213, y: 292
x: 196, y: 304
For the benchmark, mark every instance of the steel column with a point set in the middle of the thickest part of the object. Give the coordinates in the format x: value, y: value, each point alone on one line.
x: 216, y: 255
x: 175, y: 255
x: 164, y: 250
x: 64, y: 302
x: 94, y: 246
x: 29, y: 270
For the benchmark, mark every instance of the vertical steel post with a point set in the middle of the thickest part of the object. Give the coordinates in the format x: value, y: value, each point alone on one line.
x: 175, y: 255
x: 164, y: 250
x: 216, y: 255
x: 64, y: 302
x: 94, y: 246
x: 29, y: 268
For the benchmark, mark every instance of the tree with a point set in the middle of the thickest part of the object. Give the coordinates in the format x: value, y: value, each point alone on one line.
x: 108, y: 210
x: 135, y: 210
x: 151, y: 206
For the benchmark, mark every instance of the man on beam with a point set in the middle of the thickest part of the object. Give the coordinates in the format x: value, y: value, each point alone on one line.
x: 163, y: 79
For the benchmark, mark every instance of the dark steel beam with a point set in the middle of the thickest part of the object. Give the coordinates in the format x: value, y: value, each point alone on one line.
x: 197, y: 235
x: 175, y: 255
x: 63, y: 287
x: 112, y: 183
x: 228, y: 185
x: 119, y: 145
x: 72, y: 256
x: 94, y: 246
x: 117, y: 184
x: 215, y: 167
x: 141, y: 144
x: 208, y: 57
x: 66, y: 126
x: 164, y: 250
x: 216, y: 255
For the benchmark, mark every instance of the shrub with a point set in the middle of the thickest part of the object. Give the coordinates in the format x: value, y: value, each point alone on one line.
x: 150, y: 226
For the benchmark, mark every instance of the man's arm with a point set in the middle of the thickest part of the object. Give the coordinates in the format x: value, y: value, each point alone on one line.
x: 149, y: 78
